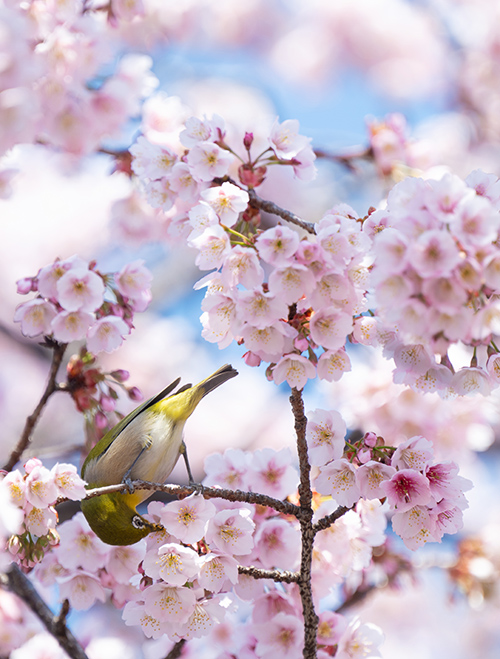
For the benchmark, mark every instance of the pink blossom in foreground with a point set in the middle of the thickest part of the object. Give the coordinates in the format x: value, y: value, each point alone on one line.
x: 414, y: 453
x: 168, y: 603
x: 80, y: 547
x: 332, y: 364
x: 41, y: 490
x: 338, y: 479
x: 370, y: 476
x: 281, y: 636
x: 173, y: 563
x: 227, y: 470
x: 134, y: 613
x: 187, y: 518
x: 35, y: 317
x: 325, y: 435
x: 230, y: 531
x: 82, y: 590
x: 207, y: 161
x: 70, y: 326
x: 360, y: 641
x: 277, y: 544
x: 216, y: 570
x: 80, y: 289
x: 295, y: 369
x: 406, y: 488
x: 228, y: 201
x: 277, y: 245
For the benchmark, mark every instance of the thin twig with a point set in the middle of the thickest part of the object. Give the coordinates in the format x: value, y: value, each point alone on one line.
x: 19, y: 584
x: 274, y: 209
x: 307, y: 530
x: 328, y: 520
x: 31, y: 421
x: 275, y: 575
x: 208, y: 492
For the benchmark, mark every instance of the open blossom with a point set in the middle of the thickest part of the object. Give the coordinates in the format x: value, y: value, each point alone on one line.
x: 169, y: 603
x: 230, y: 531
x: 173, y: 563
x: 82, y: 589
x: 80, y: 289
x: 285, y: 139
x: 227, y: 200
x: 187, y: 519
x: 68, y: 482
x: 325, y: 435
x: 36, y: 317
x: 41, y: 489
x: 332, y: 364
x: 291, y: 282
x: 216, y: 570
x: 282, y: 636
x: 80, y: 547
x: 207, y: 161
x: 295, y: 369
x: 370, y: 476
x: 415, y: 526
x: 213, y: 245
x: 329, y: 328
x: 70, y: 326
x: 414, y: 453
x: 277, y: 245
x: 407, y: 488
x: 360, y: 641
x: 133, y: 279
x: 271, y: 473
x: 338, y: 479
x: 242, y: 266
x: 227, y: 470
x: 261, y: 309
x: 134, y: 613
x: 107, y: 334
x: 277, y: 544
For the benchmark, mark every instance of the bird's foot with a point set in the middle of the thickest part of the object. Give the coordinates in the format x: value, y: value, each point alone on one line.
x: 127, y: 481
x: 198, y: 487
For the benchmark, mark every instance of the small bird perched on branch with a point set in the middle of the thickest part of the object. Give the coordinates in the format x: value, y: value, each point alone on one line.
x: 144, y: 445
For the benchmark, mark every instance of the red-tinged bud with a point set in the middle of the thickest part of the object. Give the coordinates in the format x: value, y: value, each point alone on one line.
x: 301, y: 343
x: 364, y: 455
x: 107, y: 403
x: 83, y: 399
x: 120, y: 375
x: 247, y: 140
x: 26, y: 285
x: 370, y: 439
x: 134, y: 393
x: 252, y: 177
x: 251, y: 359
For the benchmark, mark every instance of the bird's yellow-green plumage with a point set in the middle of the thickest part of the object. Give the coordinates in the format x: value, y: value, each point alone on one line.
x: 145, y: 445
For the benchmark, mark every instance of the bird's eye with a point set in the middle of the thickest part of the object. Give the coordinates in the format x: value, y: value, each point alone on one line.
x: 138, y: 522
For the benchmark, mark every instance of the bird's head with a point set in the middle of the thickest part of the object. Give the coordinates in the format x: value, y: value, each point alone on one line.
x: 114, y: 521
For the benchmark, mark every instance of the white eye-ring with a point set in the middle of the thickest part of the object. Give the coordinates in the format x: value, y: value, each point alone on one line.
x: 138, y: 522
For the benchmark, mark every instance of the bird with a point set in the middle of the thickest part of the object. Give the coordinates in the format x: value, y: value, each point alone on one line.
x: 144, y: 445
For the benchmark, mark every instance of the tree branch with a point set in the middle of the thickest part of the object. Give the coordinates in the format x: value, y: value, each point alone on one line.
x: 275, y: 575
x: 57, y: 357
x: 208, y: 492
x: 176, y: 650
x: 328, y: 520
x: 19, y: 584
x: 274, y: 209
x: 307, y: 530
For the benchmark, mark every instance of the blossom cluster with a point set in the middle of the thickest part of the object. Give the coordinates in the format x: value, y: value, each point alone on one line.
x: 60, y: 95
x: 426, y: 498
x: 436, y: 280
x: 34, y: 494
x: 71, y: 302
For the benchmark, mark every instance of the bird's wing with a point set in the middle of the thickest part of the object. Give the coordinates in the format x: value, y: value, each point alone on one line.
x: 103, y: 444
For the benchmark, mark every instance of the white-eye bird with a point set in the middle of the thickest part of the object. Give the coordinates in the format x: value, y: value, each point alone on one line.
x: 144, y: 445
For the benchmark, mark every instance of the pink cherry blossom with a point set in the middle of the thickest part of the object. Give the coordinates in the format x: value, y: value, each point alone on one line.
x: 38, y: 521
x: 271, y: 473
x: 122, y: 561
x: 338, y: 479
x: 370, y: 476
x: 41, y: 489
x: 70, y: 326
x: 284, y: 138
x: 187, y: 519
x: 415, y: 526
x: 213, y: 245
x: 49, y: 275
x: 242, y: 266
x: 15, y: 484
x: 414, y: 453
x: 80, y: 547
x: 207, y: 161
x: 216, y: 570
x: 325, y: 435
x: 228, y: 201
x: 277, y: 544
x: 333, y: 364
x: 282, y: 636
x: 68, y: 482
x: 133, y: 279
x: 230, y: 531
x: 330, y: 628
x: 360, y: 641
x: 107, y: 334
x: 277, y: 245
x: 168, y: 603
x: 261, y: 309
x: 406, y: 488
x: 82, y: 589
x: 134, y: 613
x: 329, y: 328
x: 173, y: 563
x: 227, y: 470
x: 35, y: 317
x: 295, y: 369
x: 291, y: 282
x: 80, y: 289
x: 197, y: 130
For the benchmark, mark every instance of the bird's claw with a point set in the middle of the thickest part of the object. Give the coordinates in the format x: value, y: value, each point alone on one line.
x: 127, y: 481
x: 198, y: 487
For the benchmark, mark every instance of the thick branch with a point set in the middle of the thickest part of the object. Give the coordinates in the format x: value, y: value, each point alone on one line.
x: 274, y: 209
x: 20, y: 585
x: 275, y: 575
x: 306, y: 527
x: 176, y: 650
x: 208, y: 492
x: 31, y: 421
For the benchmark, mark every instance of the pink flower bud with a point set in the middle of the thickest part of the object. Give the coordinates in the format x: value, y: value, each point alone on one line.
x: 31, y: 464
x: 100, y: 420
x: 247, y: 140
x: 364, y: 455
x: 251, y: 359
x: 120, y: 375
x: 134, y: 393
x: 107, y: 403
x: 370, y: 439
x: 25, y: 285
x: 301, y: 343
